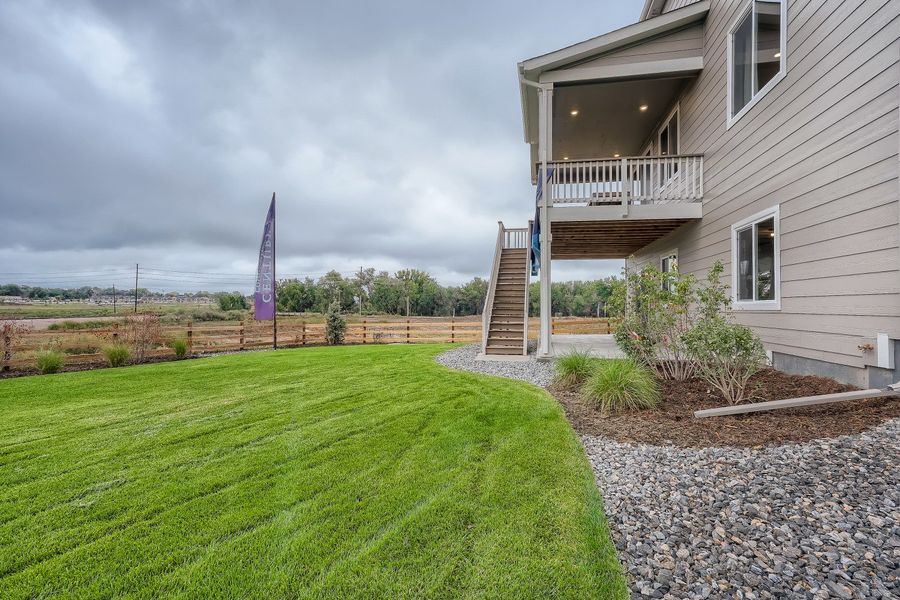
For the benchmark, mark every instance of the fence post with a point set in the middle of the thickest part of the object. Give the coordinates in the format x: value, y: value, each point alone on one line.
x: 364, y: 331
x: 302, y: 333
x: 452, y: 331
x: 242, y: 334
x: 190, y: 338
x: 7, y: 353
x: 407, y: 331
x: 115, y: 333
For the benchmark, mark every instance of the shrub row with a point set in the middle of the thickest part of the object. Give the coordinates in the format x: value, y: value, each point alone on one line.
x: 681, y: 328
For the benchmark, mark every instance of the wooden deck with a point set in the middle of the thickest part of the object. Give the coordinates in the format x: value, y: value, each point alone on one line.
x: 607, y: 239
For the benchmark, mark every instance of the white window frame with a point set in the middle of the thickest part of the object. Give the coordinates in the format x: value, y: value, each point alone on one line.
x: 665, y: 123
x: 761, y: 305
x: 668, y: 254
x: 782, y: 68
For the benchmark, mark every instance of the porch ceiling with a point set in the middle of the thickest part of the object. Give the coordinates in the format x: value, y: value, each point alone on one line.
x: 609, y: 119
x: 607, y: 239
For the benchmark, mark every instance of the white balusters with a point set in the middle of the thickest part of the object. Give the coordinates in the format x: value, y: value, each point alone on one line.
x: 636, y: 180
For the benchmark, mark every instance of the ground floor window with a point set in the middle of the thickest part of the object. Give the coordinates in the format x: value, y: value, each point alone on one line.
x: 755, y: 261
x: 668, y: 263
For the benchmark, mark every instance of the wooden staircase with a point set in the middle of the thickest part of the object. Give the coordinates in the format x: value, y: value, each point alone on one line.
x: 505, y: 323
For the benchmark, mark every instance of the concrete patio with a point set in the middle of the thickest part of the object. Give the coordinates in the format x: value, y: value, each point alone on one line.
x: 599, y: 345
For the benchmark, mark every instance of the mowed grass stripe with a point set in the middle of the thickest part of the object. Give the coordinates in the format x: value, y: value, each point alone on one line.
x: 332, y: 472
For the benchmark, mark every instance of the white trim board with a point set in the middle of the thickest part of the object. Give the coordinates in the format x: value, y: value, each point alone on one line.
x: 757, y: 305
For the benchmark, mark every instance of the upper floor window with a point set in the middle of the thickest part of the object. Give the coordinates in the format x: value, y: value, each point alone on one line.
x: 668, y: 135
x: 756, y: 54
x: 755, y: 261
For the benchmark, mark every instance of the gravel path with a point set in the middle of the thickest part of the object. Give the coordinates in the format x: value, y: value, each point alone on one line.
x: 532, y: 371
x: 813, y: 520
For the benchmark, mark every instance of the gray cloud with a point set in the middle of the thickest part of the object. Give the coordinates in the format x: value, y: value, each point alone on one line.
x: 154, y: 132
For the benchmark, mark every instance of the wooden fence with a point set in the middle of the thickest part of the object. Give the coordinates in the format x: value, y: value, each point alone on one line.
x: 85, y: 345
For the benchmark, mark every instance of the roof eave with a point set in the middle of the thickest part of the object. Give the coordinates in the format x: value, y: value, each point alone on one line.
x: 630, y: 34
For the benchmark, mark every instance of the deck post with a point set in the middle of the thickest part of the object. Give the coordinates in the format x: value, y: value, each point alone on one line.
x: 545, y: 123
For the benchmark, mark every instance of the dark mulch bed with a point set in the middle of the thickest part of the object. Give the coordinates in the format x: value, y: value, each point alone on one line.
x: 673, y: 423
x: 85, y: 366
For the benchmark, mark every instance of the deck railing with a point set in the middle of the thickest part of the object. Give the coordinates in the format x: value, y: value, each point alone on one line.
x: 628, y: 180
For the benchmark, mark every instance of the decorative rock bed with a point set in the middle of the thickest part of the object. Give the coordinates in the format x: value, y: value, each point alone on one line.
x: 819, y: 519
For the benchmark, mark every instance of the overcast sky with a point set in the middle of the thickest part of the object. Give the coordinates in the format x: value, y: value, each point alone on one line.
x: 155, y: 132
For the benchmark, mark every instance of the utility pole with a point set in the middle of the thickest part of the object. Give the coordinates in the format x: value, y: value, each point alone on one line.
x: 114, y: 298
x: 136, y: 269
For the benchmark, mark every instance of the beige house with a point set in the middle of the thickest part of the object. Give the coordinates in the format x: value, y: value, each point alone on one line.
x: 762, y: 133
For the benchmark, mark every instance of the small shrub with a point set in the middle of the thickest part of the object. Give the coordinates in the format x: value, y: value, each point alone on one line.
x: 142, y: 333
x: 232, y: 301
x: 75, y: 350
x: 574, y: 368
x: 77, y: 325
x: 180, y: 347
x: 727, y: 355
x: 50, y: 361
x: 335, y: 325
x: 616, y: 385
x: 11, y: 332
x: 117, y: 355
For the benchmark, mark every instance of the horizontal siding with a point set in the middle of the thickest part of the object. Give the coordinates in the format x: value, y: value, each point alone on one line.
x: 823, y: 144
x: 676, y: 4
x: 683, y: 43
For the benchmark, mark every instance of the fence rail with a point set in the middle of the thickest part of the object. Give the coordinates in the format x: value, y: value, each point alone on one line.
x: 85, y: 345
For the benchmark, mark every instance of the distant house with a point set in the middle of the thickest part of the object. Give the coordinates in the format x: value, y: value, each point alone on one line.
x: 762, y: 133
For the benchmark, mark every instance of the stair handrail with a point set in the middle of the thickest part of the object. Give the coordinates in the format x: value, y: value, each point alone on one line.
x: 492, y: 286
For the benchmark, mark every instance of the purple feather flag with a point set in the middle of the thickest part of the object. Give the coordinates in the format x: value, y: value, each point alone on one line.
x: 264, y: 298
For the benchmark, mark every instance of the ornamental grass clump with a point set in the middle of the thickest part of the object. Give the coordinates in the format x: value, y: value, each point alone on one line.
x: 574, y: 368
x: 180, y: 348
x: 117, y: 355
x: 617, y: 385
x: 50, y: 361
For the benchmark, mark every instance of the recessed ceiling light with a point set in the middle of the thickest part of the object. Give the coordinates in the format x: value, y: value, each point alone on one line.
x: 574, y: 112
x: 565, y: 158
x: 616, y: 155
x: 643, y: 107
x: 777, y: 55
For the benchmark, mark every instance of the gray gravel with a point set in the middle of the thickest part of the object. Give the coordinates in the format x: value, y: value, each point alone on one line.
x: 532, y: 371
x: 813, y: 520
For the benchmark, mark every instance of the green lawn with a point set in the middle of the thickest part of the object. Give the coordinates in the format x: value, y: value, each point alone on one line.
x: 316, y: 473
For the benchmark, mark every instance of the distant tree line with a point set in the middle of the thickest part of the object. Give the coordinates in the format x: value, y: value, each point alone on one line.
x: 87, y: 292
x: 371, y: 292
x: 408, y: 291
x: 574, y: 298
